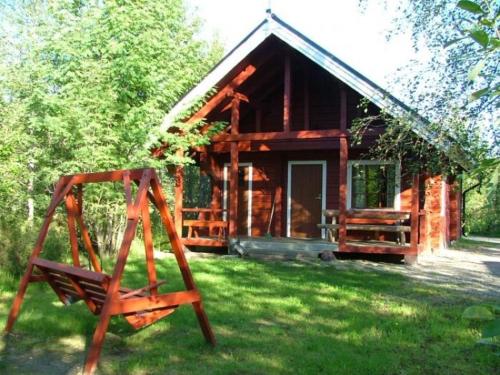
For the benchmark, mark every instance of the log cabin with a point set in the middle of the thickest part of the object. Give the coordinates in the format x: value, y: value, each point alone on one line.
x: 284, y: 167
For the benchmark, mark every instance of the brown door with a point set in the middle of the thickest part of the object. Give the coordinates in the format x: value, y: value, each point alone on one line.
x: 244, y: 192
x: 306, y: 195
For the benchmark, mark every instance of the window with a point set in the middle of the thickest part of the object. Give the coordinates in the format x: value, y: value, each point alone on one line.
x: 373, y: 184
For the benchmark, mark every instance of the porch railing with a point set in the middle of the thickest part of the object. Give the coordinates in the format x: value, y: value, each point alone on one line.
x: 205, y: 226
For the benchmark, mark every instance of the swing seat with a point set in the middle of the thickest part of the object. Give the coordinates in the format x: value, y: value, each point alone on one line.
x: 72, y: 284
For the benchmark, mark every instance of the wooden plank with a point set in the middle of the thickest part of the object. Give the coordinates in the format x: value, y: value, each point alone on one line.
x: 342, y: 193
x: 201, y: 241
x: 87, y: 242
x: 269, y: 136
x: 370, y: 214
x: 173, y: 299
x: 70, y: 219
x: 179, y: 196
x: 144, y: 318
x: 148, y: 247
x: 226, y: 91
x: 287, y: 95
x: 65, y: 269
x: 402, y: 250
x: 233, y: 191
x: 140, y: 291
x: 343, y: 107
x: 205, y: 223
x: 369, y: 227
x: 113, y: 176
x: 205, y: 210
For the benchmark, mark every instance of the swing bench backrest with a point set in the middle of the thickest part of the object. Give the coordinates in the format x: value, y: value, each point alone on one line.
x: 72, y: 283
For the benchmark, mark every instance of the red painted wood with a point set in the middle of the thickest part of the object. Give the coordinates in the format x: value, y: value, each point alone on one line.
x: 267, y: 136
x: 343, y: 107
x: 73, y: 238
x: 403, y: 250
x: 414, y: 214
x: 179, y: 196
x: 287, y: 95
x: 342, y: 194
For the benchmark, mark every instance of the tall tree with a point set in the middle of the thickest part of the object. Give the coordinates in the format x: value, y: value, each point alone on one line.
x: 83, y: 84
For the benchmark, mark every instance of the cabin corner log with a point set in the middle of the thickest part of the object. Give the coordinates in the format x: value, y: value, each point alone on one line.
x: 343, y: 194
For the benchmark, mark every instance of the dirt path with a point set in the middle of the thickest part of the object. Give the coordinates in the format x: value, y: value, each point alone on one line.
x: 472, y: 271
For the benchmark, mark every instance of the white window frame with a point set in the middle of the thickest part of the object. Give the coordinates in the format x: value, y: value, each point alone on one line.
x: 250, y: 190
x: 397, y: 182
x: 289, y: 191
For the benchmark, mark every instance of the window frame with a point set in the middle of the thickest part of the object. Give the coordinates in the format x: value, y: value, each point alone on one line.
x: 397, y: 182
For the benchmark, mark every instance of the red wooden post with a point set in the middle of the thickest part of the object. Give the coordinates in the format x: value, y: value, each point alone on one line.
x: 414, y: 214
x: 343, y: 107
x: 148, y: 246
x: 71, y: 212
x: 342, y: 194
x: 23, y: 285
x: 287, y: 95
x: 233, y: 172
x: 178, y: 191
x: 181, y: 259
x: 114, y: 285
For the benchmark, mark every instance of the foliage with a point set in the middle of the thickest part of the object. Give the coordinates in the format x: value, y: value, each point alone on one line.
x: 82, y: 86
x: 268, y: 318
x: 457, y: 90
x: 436, y: 148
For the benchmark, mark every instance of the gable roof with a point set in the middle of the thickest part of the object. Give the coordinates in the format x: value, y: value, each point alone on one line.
x: 273, y: 25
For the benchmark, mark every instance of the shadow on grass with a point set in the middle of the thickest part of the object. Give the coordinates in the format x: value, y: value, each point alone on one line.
x: 268, y: 317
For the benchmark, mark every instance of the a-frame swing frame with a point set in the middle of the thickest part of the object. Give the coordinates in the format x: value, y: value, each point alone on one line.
x: 116, y: 301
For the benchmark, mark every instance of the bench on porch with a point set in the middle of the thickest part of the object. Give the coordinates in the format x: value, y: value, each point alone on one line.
x: 206, y: 229
x: 368, y: 220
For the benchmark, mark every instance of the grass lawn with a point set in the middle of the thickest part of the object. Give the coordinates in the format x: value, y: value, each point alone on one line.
x: 268, y: 317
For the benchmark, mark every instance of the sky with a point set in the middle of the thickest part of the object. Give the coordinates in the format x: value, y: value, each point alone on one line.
x: 355, y: 36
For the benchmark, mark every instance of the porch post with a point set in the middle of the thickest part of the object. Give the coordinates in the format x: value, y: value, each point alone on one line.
x: 178, y: 190
x: 233, y: 174
x: 342, y: 194
x: 414, y: 220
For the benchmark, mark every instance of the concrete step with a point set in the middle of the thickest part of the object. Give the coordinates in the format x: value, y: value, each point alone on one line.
x: 288, y: 247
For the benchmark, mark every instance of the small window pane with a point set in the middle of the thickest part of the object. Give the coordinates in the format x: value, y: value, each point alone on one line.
x: 373, y: 185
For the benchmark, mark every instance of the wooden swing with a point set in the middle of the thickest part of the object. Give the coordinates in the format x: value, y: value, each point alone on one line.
x: 103, y: 293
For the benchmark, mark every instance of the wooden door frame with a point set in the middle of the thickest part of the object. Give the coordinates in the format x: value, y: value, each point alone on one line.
x: 289, y: 191
x: 225, y: 193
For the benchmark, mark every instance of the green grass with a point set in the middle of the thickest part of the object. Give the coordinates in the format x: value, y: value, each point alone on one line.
x: 269, y: 318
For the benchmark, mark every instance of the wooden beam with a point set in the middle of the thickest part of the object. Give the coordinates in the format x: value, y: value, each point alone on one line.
x: 71, y: 212
x: 343, y: 107
x: 287, y: 95
x: 226, y: 91
x: 148, y: 247
x: 233, y: 191
x: 235, y: 115
x: 268, y: 136
x: 23, y: 284
x: 414, y: 213
x: 342, y: 194
x: 233, y: 175
x: 135, y: 304
x: 307, y: 117
x: 114, y: 285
